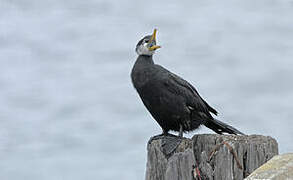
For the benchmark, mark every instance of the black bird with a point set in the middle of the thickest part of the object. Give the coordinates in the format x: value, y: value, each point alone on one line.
x: 172, y: 101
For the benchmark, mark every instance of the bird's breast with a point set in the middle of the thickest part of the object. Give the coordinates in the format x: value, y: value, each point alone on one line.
x: 141, y: 76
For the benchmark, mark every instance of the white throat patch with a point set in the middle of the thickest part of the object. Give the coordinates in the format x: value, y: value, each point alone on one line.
x: 144, y: 50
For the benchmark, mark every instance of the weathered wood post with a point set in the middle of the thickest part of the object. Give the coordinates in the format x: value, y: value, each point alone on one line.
x: 218, y: 157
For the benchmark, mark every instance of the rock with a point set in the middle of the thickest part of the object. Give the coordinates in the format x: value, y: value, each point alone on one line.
x: 218, y: 157
x: 234, y: 157
x: 278, y: 168
x: 177, y: 165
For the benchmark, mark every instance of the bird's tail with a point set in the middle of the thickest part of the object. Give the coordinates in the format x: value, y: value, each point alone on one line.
x: 220, y: 127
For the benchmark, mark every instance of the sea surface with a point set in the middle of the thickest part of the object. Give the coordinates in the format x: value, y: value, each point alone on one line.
x: 68, y: 110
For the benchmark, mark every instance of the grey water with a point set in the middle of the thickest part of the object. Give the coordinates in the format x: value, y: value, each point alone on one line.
x: 68, y: 108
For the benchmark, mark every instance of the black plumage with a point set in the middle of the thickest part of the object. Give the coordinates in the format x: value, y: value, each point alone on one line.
x: 172, y: 101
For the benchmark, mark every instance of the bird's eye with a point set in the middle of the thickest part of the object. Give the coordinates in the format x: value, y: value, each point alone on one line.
x: 146, y: 41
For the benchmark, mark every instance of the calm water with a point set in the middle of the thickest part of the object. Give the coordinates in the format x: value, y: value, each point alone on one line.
x: 68, y: 109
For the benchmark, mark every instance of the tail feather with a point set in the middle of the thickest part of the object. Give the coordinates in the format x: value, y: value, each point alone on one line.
x: 220, y: 127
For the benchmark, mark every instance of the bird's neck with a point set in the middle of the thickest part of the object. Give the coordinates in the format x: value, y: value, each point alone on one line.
x: 145, y: 59
x: 141, y: 72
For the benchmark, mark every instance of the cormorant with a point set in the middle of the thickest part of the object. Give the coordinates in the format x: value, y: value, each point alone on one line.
x: 172, y: 101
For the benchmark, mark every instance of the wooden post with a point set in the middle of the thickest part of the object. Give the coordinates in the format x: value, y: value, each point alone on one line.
x: 217, y: 157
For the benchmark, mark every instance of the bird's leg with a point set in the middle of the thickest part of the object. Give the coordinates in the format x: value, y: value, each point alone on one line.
x: 165, y: 132
x: 180, y: 131
x: 159, y: 136
x: 170, y: 143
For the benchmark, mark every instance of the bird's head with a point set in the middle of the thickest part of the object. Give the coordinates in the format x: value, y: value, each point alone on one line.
x: 147, y: 45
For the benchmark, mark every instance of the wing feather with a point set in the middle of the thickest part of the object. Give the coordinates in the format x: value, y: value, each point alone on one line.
x: 181, y: 87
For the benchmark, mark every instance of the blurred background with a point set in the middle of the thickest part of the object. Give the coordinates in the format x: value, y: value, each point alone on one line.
x: 68, y: 108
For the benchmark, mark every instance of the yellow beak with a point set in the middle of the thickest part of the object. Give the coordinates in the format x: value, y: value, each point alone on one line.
x: 154, y: 47
x: 153, y: 38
